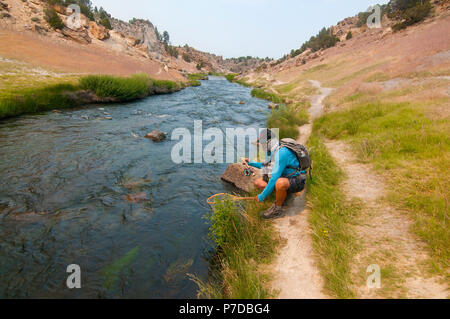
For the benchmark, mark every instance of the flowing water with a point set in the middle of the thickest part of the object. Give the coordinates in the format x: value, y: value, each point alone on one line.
x: 64, y: 179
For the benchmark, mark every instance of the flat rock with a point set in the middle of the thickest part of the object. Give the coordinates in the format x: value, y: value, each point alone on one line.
x: 234, y: 174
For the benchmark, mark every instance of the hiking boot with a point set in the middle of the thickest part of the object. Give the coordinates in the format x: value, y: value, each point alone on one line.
x: 273, y: 212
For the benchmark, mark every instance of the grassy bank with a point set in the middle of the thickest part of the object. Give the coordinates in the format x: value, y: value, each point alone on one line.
x: 287, y: 118
x: 33, y: 100
x: 330, y: 217
x: 261, y: 94
x: 410, y: 146
x: 104, y: 88
x: 232, y: 78
x: 198, y: 76
x: 120, y: 89
x: 245, y: 243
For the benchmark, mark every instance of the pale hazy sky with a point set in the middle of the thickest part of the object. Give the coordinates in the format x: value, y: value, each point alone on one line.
x: 235, y: 28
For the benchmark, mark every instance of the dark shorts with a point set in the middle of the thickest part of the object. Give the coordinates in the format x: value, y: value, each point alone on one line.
x: 297, y: 183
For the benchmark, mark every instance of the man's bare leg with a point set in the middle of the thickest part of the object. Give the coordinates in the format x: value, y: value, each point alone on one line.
x: 281, y: 187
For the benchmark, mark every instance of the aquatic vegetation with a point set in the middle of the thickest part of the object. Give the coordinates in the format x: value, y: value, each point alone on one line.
x: 112, y: 272
x: 178, y: 268
x: 244, y: 243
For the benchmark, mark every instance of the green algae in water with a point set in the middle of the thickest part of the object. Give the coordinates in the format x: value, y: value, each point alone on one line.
x: 112, y: 271
x: 177, y: 268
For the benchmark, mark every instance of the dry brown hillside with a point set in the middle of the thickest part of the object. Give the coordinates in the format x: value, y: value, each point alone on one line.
x: 128, y: 48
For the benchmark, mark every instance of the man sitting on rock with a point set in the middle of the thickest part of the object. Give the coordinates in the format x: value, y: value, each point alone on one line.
x: 280, y: 173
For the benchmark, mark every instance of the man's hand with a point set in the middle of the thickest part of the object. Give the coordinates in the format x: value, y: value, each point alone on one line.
x: 257, y: 199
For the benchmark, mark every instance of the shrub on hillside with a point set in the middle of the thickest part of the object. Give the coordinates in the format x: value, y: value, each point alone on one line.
x: 409, y: 12
x: 363, y: 16
x: 323, y: 40
x: 187, y: 58
x: 104, y: 18
x: 53, y: 18
x: 85, y: 6
x: 349, y: 35
x: 106, y: 23
x: 173, y: 51
x: 200, y: 65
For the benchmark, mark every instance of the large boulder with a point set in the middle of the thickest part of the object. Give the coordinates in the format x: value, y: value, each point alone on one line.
x: 77, y: 36
x: 235, y: 174
x: 156, y: 136
x: 98, y: 31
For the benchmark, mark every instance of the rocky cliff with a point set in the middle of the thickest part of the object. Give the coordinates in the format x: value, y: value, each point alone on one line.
x: 137, y: 39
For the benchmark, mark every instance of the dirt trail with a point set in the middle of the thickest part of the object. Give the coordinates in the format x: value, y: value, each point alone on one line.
x: 382, y: 231
x: 296, y: 275
x: 384, y: 236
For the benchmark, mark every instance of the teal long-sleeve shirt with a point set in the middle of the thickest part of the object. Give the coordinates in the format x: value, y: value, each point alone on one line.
x: 284, y: 159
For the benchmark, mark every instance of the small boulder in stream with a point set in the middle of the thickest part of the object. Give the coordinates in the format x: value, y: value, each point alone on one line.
x: 234, y: 174
x: 156, y: 136
x: 136, y: 198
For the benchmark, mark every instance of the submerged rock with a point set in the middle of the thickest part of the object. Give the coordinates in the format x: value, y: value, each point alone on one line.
x: 156, y: 136
x: 273, y: 106
x: 235, y: 174
x: 136, y: 198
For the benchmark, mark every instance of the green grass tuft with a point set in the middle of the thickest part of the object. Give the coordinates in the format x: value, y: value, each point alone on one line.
x: 245, y: 242
x: 33, y: 100
x: 411, y: 150
x: 261, y: 94
x: 287, y: 118
x: 330, y: 217
x: 119, y: 88
x: 198, y: 76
